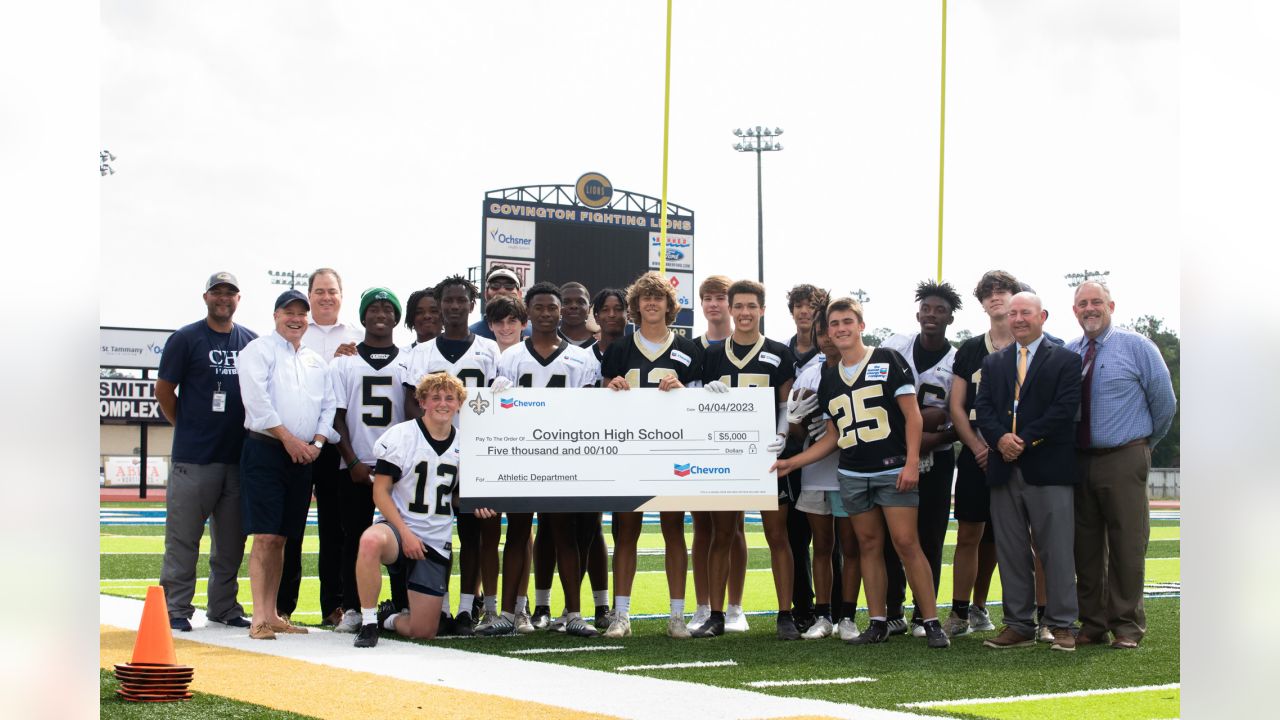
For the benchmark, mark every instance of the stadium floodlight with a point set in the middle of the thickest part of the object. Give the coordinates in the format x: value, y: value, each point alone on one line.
x: 288, y: 277
x: 777, y: 131
x: 1077, y: 279
x: 737, y: 131
x: 759, y: 146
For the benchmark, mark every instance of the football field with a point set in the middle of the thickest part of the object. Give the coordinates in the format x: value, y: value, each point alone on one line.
x: 902, y: 676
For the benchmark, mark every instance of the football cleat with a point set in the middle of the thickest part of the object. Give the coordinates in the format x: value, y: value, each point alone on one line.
x: 386, y: 609
x: 367, y: 637
x: 846, y: 629
x: 713, y: 627
x: 701, y: 615
x: 787, y: 629
x: 735, y: 620
x: 463, y: 625
x: 917, y: 630
x: 955, y: 626
x: 351, y: 622
x: 497, y: 625
x: 821, y: 628
x: 677, y: 629
x: 578, y: 627
x: 937, y: 638
x: 558, y: 625
x: 541, y: 617
x: 619, y: 628
x: 524, y: 625
x: 804, y: 618
x: 980, y: 619
x: 877, y: 632
x: 896, y: 626
x: 603, y: 617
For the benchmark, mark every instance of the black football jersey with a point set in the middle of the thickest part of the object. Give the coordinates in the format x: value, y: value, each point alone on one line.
x: 968, y: 367
x: 766, y: 364
x: 871, y: 431
x: 626, y: 357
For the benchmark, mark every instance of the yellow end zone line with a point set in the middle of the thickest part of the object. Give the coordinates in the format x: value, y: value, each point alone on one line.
x: 323, y: 691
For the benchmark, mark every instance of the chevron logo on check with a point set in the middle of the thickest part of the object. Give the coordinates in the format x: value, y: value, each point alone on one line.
x: 682, y: 470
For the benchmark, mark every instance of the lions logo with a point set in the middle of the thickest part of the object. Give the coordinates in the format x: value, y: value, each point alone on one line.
x: 479, y: 405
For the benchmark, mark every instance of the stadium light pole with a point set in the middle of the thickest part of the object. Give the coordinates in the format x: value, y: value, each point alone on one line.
x: 1078, y: 279
x: 287, y: 277
x: 105, y: 158
x: 758, y: 140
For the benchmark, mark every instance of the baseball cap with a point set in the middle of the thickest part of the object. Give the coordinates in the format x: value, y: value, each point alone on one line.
x: 1023, y: 287
x: 503, y: 273
x: 289, y: 296
x: 372, y: 295
x: 222, y: 278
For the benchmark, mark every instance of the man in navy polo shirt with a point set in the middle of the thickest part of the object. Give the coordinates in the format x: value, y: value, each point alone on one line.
x: 199, y: 393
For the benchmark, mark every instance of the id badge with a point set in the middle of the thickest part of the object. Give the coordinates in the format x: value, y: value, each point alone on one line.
x: 219, y: 401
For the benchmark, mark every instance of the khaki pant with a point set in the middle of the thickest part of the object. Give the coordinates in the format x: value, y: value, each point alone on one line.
x: 1112, y: 530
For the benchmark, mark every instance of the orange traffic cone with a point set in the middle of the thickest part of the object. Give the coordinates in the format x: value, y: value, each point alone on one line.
x: 154, y: 675
x: 154, y: 645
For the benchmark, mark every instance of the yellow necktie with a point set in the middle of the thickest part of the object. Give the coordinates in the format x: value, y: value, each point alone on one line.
x: 1017, y: 389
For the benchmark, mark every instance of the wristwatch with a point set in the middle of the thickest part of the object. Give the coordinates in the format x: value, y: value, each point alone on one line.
x: 319, y: 444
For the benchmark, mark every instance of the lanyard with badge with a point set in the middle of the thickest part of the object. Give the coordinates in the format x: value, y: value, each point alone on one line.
x: 219, y: 395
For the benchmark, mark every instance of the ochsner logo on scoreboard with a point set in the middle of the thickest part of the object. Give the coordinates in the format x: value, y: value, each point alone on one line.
x: 509, y: 238
x: 679, y: 251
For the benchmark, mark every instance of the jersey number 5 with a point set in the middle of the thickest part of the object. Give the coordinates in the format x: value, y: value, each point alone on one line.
x: 850, y: 411
x: 444, y: 491
x: 379, y: 403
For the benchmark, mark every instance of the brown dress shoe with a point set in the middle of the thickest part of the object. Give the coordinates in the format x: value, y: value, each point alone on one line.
x: 1085, y: 639
x: 260, y: 631
x: 334, y: 617
x: 1063, y: 640
x: 288, y: 628
x: 1010, y: 638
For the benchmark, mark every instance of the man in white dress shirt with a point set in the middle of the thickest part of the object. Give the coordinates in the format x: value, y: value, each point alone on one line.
x: 289, y: 408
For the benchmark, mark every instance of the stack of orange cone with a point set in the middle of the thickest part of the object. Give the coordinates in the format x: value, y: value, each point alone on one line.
x: 154, y: 675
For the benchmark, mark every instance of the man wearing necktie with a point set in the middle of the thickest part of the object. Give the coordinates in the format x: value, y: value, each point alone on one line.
x: 1126, y: 407
x: 1026, y: 410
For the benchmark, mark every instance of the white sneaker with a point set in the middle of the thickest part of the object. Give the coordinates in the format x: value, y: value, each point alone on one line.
x: 1044, y: 634
x: 735, y: 620
x: 821, y: 628
x: 524, y: 625
x: 351, y: 622
x: 980, y: 619
x: 917, y: 630
x: 676, y: 628
x: 558, y: 625
x: 619, y: 628
x: 847, y: 629
x: 700, y: 616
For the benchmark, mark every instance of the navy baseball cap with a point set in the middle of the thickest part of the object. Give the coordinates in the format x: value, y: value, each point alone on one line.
x: 289, y: 296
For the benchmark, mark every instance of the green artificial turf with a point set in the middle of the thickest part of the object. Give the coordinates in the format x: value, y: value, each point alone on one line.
x: 200, y: 707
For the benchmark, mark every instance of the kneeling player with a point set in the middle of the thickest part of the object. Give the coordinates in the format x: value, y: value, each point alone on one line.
x: 872, y: 416
x: 413, y: 486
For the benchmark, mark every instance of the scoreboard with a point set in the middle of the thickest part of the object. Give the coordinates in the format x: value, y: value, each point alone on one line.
x: 589, y: 233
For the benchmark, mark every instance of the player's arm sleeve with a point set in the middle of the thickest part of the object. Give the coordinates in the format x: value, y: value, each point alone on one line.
x: 1157, y: 384
x: 253, y: 366
x: 608, y: 364
x: 388, y: 457
x: 901, y: 378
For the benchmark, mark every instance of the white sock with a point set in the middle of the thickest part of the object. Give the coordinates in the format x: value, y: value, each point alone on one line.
x: 465, y: 601
x: 390, y: 624
x: 677, y: 608
x: 445, y: 604
x: 509, y: 616
x: 369, y: 616
x: 932, y: 619
x: 881, y: 618
x: 601, y: 597
x: 491, y: 603
x: 541, y: 598
x: 732, y: 609
x: 522, y: 603
x: 704, y: 609
x: 571, y: 615
x: 622, y: 604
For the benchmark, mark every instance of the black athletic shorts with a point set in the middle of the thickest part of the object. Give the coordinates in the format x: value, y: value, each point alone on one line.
x: 429, y: 576
x: 973, y: 497
x: 789, y: 488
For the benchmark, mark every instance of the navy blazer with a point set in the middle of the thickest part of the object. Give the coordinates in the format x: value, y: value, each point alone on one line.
x: 1047, y: 410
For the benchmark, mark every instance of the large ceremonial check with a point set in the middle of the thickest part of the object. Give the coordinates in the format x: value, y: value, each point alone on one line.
x: 577, y: 450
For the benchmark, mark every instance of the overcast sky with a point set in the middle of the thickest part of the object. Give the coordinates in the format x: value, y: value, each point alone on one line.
x: 276, y: 135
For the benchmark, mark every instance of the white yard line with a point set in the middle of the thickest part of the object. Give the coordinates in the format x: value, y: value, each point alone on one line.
x: 1043, y: 696
x: 547, y: 651
x: 819, y: 681
x: 628, y: 696
x: 676, y: 666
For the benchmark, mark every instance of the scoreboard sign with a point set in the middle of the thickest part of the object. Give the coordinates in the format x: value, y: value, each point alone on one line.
x: 128, y: 401
x: 589, y: 232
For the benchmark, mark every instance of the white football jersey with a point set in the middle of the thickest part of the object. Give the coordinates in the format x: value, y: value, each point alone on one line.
x: 424, y: 481
x: 569, y: 366
x: 475, y: 367
x: 933, y: 385
x: 371, y: 396
x: 822, y: 474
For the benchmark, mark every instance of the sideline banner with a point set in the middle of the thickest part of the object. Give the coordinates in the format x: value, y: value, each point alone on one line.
x: 579, y: 450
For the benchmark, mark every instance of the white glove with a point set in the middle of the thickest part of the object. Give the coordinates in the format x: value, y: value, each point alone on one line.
x: 775, y: 447
x: 799, y: 409
x: 817, y: 428
x: 716, y: 386
x: 499, y: 384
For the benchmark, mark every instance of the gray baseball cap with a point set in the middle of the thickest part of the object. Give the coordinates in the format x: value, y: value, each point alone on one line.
x: 222, y: 278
